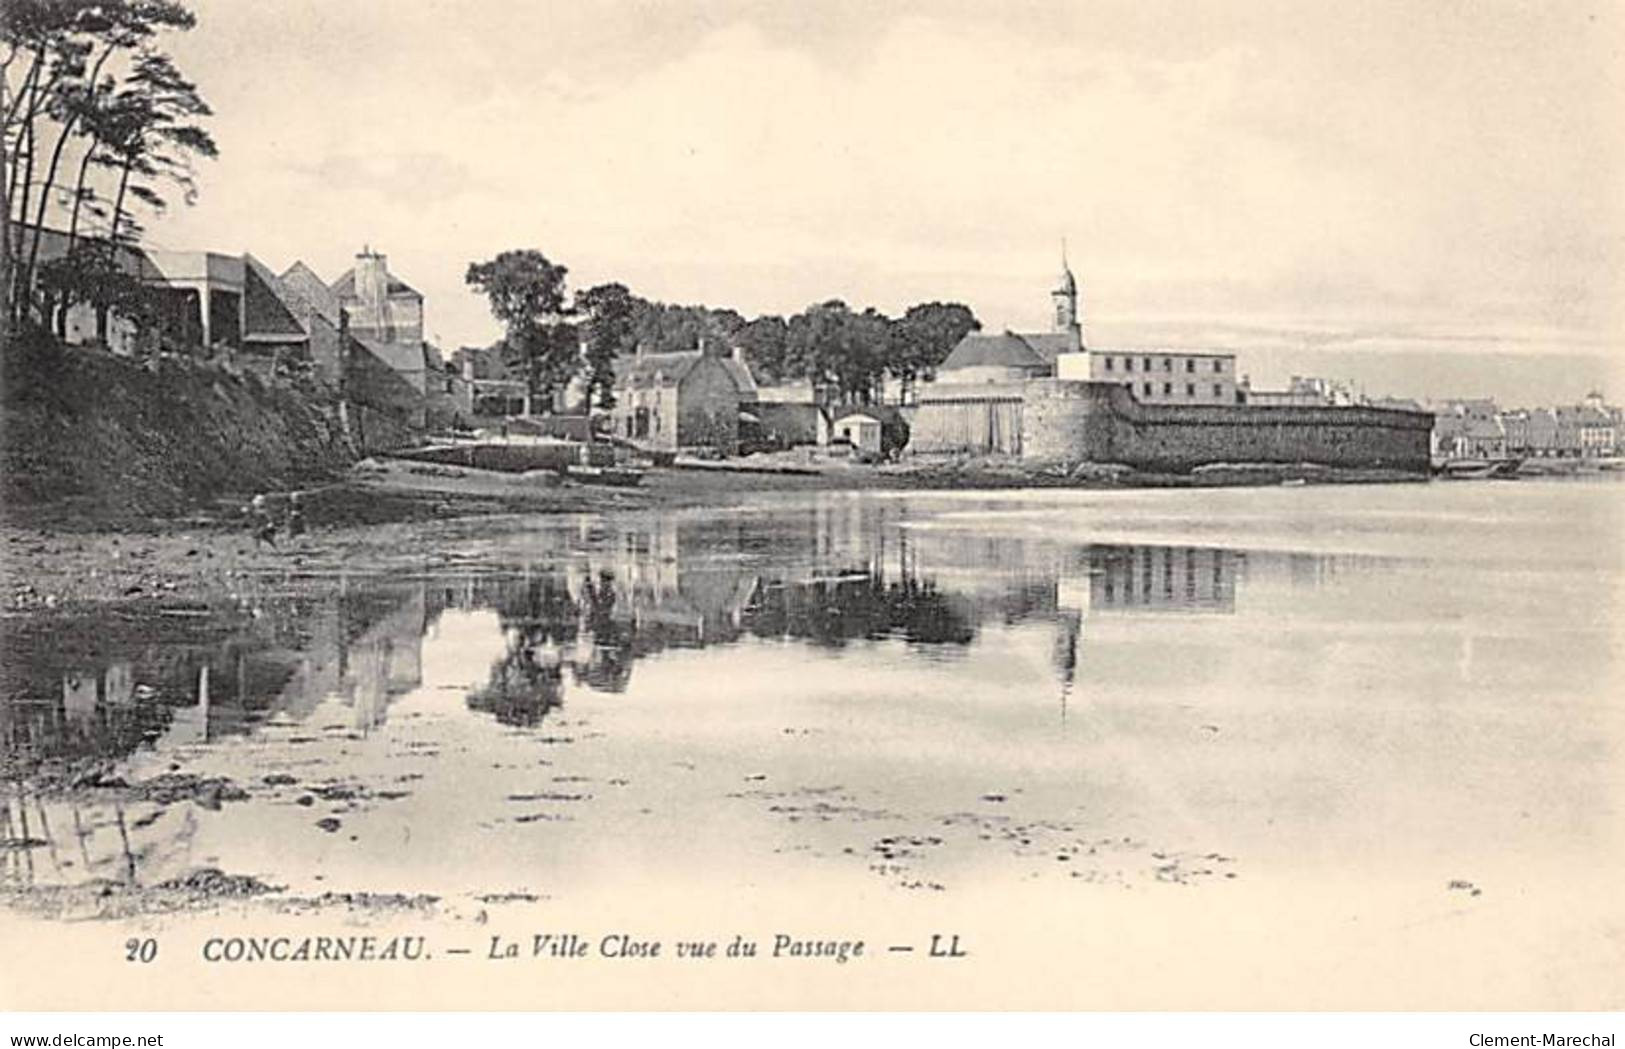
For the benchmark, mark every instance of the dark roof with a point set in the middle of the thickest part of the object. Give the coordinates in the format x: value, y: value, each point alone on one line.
x: 665, y: 369
x: 650, y: 369
x: 1004, y: 350
x: 741, y: 375
x: 309, y: 289
x: 1051, y: 344
x: 269, y: 308
x: 344, y: 287
x: 401, y: 356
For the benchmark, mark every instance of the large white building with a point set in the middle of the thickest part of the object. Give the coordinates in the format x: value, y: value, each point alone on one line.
x: 1159, y: 376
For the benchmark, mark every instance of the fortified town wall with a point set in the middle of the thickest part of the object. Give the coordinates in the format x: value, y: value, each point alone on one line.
x: 1103, y: 422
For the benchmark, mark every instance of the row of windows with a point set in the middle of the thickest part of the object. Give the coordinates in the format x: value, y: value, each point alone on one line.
x: 1148, y: 389
x: 1167, y: 364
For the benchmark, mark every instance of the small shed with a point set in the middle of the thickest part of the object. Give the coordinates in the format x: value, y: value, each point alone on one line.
x: 861, y: 428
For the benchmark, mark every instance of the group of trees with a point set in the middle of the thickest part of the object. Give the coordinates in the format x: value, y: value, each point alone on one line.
x: 545, y: 332
x: 551, y: 338
x: 98, y: 122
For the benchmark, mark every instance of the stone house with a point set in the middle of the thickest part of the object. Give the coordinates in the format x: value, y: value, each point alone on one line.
x: 386, y: 315
x: 364, y: 332
x: 690, y: 399
x: 383, y: 308
x: 318, y: 311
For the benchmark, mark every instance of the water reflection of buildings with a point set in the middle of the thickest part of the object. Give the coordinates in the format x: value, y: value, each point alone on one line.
x: 1153, y: 579
x: 603, y: 596
x: 172, y: 682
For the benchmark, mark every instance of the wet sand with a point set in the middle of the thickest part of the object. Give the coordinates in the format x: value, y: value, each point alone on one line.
x: 71, y: 552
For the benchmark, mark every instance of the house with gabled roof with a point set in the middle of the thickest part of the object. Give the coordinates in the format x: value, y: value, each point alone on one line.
x: 383, y: 309
x: 686, y: 400
x: 277, y: 326
x: 365, y: 332
x: 312, y: 292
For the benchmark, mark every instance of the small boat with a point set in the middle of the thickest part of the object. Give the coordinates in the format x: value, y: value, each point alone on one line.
x: 621, y: 476
x: 1477, y: 469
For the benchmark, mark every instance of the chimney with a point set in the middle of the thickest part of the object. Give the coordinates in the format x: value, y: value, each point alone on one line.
x: 371, y: 287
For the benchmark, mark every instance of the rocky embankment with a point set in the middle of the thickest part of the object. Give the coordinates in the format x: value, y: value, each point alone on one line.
x: 117, y: 442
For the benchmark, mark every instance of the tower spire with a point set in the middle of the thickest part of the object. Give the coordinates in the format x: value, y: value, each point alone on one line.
x: 1065, y: 298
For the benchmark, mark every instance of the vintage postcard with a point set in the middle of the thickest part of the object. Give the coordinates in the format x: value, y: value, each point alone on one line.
x: 810, y: 505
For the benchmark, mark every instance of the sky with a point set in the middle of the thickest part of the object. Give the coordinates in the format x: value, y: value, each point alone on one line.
x: 1426, y: 197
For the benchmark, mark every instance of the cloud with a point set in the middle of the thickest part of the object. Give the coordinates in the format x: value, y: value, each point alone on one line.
x: 1378, y: 169
x: 414, y: 175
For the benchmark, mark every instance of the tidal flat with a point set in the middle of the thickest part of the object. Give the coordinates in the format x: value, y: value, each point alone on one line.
x: 1339, y: 718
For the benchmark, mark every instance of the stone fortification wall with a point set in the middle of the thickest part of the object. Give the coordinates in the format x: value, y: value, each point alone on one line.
x: 1103, y: 422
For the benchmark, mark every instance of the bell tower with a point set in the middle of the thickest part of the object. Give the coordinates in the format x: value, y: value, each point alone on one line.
x: 1068, y: 321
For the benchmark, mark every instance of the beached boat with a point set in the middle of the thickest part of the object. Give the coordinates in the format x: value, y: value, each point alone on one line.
x: 1476, y: 469
x: 621, y: 476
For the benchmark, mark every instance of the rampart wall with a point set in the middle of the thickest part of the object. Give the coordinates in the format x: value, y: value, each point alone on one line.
x: 1103, y: 422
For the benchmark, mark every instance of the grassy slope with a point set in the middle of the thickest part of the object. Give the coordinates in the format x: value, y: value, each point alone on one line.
x: 116, y: 440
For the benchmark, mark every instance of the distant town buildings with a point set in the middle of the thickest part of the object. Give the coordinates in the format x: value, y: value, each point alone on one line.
x: 1479, y: 429
x: 1303, y: 391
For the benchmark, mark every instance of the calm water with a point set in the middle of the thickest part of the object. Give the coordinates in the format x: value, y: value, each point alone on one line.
x: 1078, y: 690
